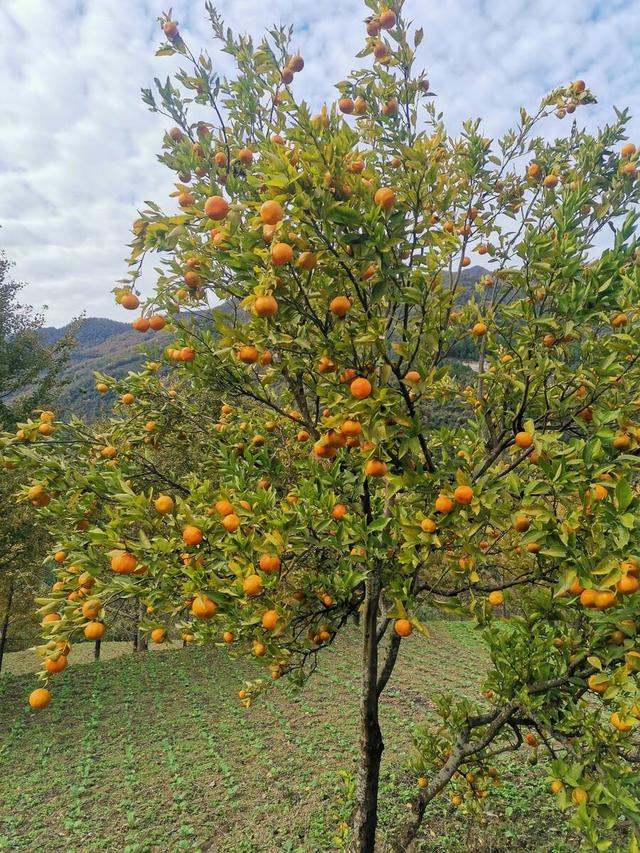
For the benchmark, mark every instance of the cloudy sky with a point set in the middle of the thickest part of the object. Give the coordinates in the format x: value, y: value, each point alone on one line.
x: 77, y: 148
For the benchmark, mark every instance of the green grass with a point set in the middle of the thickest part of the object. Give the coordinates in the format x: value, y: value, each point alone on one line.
x: 152, y: 752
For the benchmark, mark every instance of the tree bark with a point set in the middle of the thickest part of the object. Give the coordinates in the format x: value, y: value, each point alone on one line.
x: 5, y: 622
x: 365, y: 814
x: 96, y: 649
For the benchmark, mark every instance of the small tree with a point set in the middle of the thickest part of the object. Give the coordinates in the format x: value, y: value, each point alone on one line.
x: 326, y: 489
x: 29, y: 373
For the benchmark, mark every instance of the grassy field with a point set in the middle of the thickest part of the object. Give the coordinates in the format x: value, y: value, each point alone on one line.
x: 152, y: 752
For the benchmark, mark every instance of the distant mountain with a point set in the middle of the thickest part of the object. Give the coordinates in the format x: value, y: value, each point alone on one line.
x: 112, y: 347
x: 105, y: 345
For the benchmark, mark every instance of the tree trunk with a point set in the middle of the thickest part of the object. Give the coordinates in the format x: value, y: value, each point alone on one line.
x: 5, y: 621
x: 365, y: 814
x: 96, y: 649
x: 135, y: 639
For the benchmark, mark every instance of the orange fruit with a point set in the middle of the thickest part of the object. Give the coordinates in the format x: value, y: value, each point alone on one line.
x: 479, y: 329
x: 56, y: 665
x: 94, y: 630
x: 627, y: 585
x: 203, y: 607
x: 281, y: 254
x: 192, y: 535
x: 269, y: 563
x: 223, y: 507
x: 266, y: 306
x: 588, y: 598
x: 159, y: 635
x: 130, y: 301
x: 428, y: 525
x: 346, y: 105
x: 340, y: 305
x: 228, y: 637
x: 360, y: 388
x: 270, y: 619
x: 521, y: 523
x: 216, y: 207
x: 252, y: 585
x: 412, y: 376
x: 351, y: 428
x: 375, y: 468
x: 444, y: 504
x: 496, y: 598
x: 124, y: 564
x: 463, y: 494
x: 271, y: 212
x: 248, y: 354
x: 245, y: 156
x: 91, y: 608
x: 164, y: 504
x: 307, y: 261
x: 39, y: 698
x: 339, y: 512
x: 231, y: 522
x: 387, y: 19
x: 523, y: 440
x: 385, y: 197
x: 403, y: 627
x: 604, y: 599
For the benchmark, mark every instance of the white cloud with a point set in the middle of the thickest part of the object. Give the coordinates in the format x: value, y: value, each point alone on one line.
x: 78, y: 148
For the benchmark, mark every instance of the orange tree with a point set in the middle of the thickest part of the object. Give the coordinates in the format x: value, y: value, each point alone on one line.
x: 338, y: 242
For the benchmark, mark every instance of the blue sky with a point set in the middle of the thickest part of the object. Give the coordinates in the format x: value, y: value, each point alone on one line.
x: 78, y: 149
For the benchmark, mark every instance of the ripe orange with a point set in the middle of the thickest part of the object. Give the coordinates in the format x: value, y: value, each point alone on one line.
x: 303, y: 435
x: 130, y: 301
x: 375, y: 468
x: 604, y: 599
x: 248, y: 354
x: 307, y: 261
x: 346, y: 105
x: 523, y: 440
x: 271, y: 212
x: 203, y: 607
x: 192, y: 535
x: 159, y: 635
x: 360, y: 388
x: 231, y: 522
x: 463, y: 494
x: 102, y: 388
x: 340, y: 305
x: 479, y: 329
x: 428, y: 525
x: 496, y: 598
x: 412, y: 376
x: 385, y: 198
x: 628, y: 584
x: 127, y: 399
x: 94, y: 630
x: 91, y: 608
x: 444, y: 504
x: 521, y: 523
x: 170, y: 29
x: 186, y: 199
x: 223, y: 507
x: 270, y: 619
x: 157, y: 322
x: 57, y: 665
x: 281, y: 254
x: 619, y: 722
x: 339, y: 512
x: 164, y: 504
x: 216, y: 207
x: 597, y: 683
x: 351, y: 428
x: 140, y: 324
x: 252, y: 585
x: 266, y: 306
x: 269, y: 563
x: 599, y: 492
x: 228, y: 637
x: 533, y: 547
x: 556, y: 786
x: 579, y: 796
x: 403, y: 627
x: 534, y: 171
x: 387, y: 19
x: 296, y: 63
x: 124, y: 564
x: 588, y: 598
x: 39, y: 698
